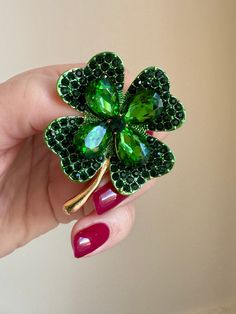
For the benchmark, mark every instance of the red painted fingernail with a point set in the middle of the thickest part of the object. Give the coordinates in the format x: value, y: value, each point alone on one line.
x: 106, y: 197
x: 150, y: 132
x: 89, y: 239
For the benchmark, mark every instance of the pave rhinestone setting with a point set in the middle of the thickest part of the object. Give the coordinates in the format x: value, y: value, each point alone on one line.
x: 114, y: 125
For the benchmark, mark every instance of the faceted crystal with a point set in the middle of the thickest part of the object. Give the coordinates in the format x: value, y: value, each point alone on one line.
x: 131, y: 148
x: 91, y: 140
x: 102, y: 98
x: 144, y: 107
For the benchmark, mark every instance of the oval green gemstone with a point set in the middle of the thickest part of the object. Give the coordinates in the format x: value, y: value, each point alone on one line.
x: 131, y: 148
x: 102, y: 98
x: 144, y: 107
x: 92, y: 140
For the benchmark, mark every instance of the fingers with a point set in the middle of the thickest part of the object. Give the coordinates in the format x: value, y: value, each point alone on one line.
x: 29, y: 102
x: 158, y: 135
x: 106, y: 197
x: 94, y: 234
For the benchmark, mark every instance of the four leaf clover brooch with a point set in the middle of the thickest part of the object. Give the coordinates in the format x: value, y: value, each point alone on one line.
x: 112, y: 134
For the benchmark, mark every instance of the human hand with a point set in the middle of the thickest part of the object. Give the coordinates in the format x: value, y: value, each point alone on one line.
x: 33, y: 188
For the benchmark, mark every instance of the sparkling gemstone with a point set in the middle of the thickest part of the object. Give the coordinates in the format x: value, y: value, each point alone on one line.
x: 131, y: 148
x: 117, y: 124
x: 102, y: 98
x: 143, y: 107
x: 91, y: 140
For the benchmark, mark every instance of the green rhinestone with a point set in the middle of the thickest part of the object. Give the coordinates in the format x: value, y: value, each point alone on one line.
x: 143, y: 107
x: 91, y: 140
x: 102, y: 98
x: 131, y: 149
x: 116, y: 124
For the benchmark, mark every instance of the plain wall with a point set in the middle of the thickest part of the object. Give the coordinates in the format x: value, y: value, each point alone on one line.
x: 181, y: 254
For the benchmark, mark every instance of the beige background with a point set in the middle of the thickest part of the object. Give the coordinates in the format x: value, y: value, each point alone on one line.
x: 181, y: 255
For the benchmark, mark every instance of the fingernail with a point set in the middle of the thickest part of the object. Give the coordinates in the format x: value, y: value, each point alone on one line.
x: 89, y: 239
x: 150, y: 132
x: 106, y: 198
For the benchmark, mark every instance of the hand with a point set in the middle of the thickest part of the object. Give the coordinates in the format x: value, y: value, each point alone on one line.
x: 33, y: 188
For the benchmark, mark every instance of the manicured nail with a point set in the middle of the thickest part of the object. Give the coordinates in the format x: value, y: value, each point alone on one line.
x: 89, y: 239
x: 150, y: 132
x: 106, y: 197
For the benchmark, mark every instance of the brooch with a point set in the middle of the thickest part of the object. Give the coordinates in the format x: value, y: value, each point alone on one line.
x: 111, y: 133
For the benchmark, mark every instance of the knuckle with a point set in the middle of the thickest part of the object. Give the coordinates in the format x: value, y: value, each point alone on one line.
x: 123, y: 221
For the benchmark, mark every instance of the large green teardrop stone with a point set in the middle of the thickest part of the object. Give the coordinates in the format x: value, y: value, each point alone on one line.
x: 91, y: 140
x: 144, y: 107
x: 131, y: 148
x: 102, y: 98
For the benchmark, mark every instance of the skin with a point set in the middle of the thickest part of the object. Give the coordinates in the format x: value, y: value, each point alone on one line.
x: 32, y: 186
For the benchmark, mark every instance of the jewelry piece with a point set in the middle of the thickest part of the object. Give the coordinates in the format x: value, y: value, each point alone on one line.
x: 113, y: 130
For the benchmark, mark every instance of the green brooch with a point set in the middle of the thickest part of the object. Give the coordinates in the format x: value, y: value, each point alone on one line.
x: 112, y: 133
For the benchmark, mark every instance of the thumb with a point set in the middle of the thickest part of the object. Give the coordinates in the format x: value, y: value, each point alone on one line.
x: 29, y: 102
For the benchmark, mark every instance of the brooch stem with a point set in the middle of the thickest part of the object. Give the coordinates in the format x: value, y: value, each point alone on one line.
x: 74, y: 204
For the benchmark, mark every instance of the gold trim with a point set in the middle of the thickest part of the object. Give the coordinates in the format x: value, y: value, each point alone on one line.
x: 74, y: 204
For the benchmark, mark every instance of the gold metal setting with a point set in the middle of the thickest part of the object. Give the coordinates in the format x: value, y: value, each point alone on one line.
x: 74, y: 204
